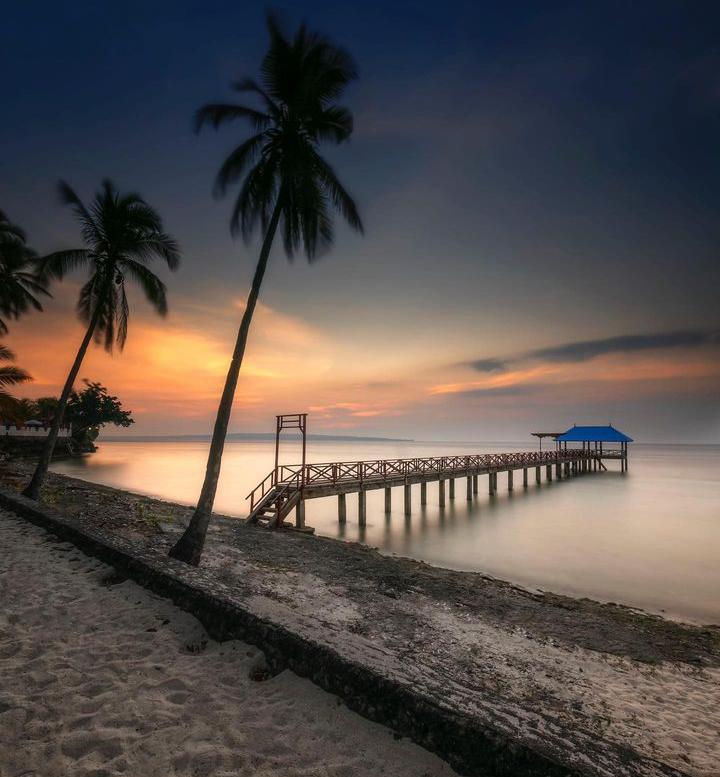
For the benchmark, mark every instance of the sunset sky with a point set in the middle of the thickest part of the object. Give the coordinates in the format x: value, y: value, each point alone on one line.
x: 539, y: 182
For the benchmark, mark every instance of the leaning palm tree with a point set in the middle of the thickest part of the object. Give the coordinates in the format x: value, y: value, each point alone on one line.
x: 121, y: 233
x: 286, y: 185
x: 20, y: 285
x: 10, y: 375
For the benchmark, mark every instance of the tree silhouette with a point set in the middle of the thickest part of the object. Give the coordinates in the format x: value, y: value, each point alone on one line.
x: 284, y: 184
x: 20, y: 285
x: 121, y: 233
x: 10, y: 375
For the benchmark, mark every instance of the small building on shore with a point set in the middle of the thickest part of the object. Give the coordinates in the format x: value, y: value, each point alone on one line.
x: 33, y: 429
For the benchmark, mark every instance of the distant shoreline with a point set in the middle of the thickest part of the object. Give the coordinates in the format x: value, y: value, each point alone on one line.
x: 249, y: 436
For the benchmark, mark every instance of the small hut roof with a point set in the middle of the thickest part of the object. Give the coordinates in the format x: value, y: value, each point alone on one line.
x: 594, y: 434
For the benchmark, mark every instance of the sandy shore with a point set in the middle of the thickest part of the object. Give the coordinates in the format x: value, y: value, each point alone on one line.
x: 101, y: 678
x: 601, y: 688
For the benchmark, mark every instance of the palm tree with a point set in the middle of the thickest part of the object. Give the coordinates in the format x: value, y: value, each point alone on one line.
x: 9, y: 376
x: 19, y: 283
x: 121, y: 233
x: 286, y: 185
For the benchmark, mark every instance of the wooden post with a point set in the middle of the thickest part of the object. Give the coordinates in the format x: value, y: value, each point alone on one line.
x: 525, y: 479
x: 388, y: 500
x: 423, y: 494
x: 537, y: 475
x: 408, y: 505
x: 441, y: 493
x: 510, y: 480
x: 452, y: 488
x: 548, y: 473
x: 362, y: 514
x: 469, y: 488
x: 475, y: 484
x: 300, y: 514
x: 342, y: 509
x: 491, y: 483
x: 558, y: 470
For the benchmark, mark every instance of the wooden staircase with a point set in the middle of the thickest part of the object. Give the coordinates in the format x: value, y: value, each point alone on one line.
x: 270, y: 510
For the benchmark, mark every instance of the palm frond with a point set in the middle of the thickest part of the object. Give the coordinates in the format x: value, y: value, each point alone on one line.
x: 217, y: 114
x: 88, y: 228
x: 122, y: 315
x: 340, y: 197
x: 58, y: 264
x: 11, y: 376
x: 236, y: 164
x: 20, y: 283
x: 249, y: 85
x: 122, y: 233
x: 301, y: 76
x: 256, y: 199
x: 10, y: 232
x: 153, y: 288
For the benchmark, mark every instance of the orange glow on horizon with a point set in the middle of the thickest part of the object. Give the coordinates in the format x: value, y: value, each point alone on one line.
x: 172, y: 372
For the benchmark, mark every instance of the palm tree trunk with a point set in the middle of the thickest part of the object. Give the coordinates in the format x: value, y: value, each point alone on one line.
x: 33, y: 488
x: 190, y: 546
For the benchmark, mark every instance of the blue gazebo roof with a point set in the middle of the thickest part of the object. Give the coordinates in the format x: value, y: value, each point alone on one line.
x: 593, y: 434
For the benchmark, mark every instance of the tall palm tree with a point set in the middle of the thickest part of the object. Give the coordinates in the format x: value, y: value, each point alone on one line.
x: 286, y: 185
x: 121, y: 233
x: 10, y: 375
x: 20, y: 286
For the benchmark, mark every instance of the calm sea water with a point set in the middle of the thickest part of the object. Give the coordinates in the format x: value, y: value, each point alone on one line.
x: 649, y: 538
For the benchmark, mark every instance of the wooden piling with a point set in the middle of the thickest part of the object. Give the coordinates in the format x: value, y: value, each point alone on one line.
x: 300, y: 514
x: 407, y: 495
x: 452, y: 488
x: 362, y: 513
x: 548, y: 473
x: 475, y: 484
x: 342, y: 509
x: 510, y: 480
x: 423, y: 493
x: 441, y: 493
x: 469, y: 488
x: 537, y: 475
x: 525, y: 477
x: 388, y: 500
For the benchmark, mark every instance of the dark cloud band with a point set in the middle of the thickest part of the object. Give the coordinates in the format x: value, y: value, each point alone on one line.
x: 585, y: 350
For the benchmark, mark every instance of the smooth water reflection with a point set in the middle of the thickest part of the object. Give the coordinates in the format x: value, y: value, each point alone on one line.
x: 649, y: 538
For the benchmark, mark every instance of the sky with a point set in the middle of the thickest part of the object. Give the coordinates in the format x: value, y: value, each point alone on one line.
x: 539, y: 184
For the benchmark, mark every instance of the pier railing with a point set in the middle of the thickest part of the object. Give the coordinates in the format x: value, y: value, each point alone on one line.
x: 330, y: 473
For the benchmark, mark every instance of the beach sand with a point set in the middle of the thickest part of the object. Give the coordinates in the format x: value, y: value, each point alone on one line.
x: 100, y: 678
x: 602, y: 688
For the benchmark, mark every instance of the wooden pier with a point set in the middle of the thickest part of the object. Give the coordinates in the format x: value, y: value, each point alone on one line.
x: 287, y: 487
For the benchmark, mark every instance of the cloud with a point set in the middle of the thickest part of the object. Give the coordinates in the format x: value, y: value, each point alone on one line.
x: 516, y: 390
x: 489, y: 365
x: 585, y: 350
